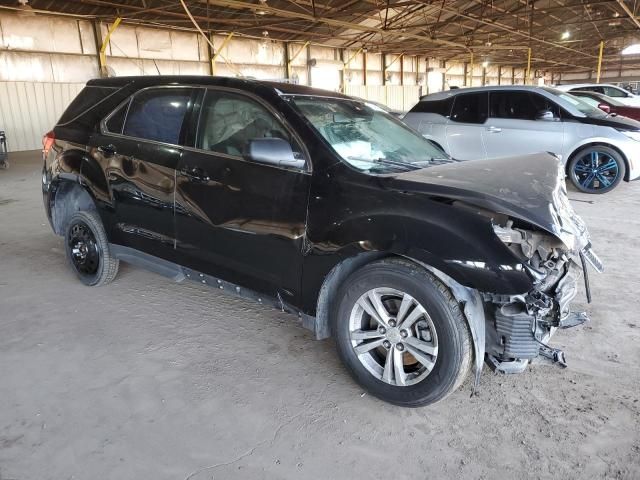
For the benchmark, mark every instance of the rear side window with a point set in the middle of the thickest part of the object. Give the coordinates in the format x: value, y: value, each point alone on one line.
x: 157, y: 114
x: 470, y: 108
x: 439, y: 107
x: 88, y: 98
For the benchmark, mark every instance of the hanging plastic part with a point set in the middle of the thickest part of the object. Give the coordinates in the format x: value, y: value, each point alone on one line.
x: 585, y: 273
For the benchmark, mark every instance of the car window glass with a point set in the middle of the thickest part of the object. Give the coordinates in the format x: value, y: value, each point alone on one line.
x: 116, y: 120
x: 590, y: 101
x: 513, y: 105
x: 543, y: 104
x: 158, y: 114
x: 614, y: 92
x: 470, y: 108
x: 440, y: 107
x: 228, y: 122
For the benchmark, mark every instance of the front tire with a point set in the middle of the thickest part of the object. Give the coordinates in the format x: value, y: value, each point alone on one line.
x: 87, y: 249
x: 596, y: 169
x: 401, y: 333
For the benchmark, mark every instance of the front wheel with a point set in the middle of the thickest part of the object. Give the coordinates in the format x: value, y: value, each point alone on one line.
x: 401, y: 333
x: 597, y: 169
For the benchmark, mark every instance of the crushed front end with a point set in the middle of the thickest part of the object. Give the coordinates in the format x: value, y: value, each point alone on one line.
x: 519, y: 326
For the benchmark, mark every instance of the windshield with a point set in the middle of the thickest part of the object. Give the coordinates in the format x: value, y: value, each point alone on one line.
x: 366, y: 137
x: 577, y: 103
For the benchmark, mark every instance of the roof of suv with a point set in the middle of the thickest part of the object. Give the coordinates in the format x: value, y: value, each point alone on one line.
x: 458, y: 91
x: 240, y: 83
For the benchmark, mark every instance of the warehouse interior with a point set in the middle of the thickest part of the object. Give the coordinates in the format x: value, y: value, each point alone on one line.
x: 147, y: 378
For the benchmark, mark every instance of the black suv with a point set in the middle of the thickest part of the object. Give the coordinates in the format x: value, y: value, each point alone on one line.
x: 327, y: 207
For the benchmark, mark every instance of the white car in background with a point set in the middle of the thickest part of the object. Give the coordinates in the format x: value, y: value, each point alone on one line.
x: 618, y: 93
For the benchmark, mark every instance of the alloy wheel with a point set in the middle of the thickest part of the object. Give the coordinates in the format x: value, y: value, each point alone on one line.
x: 393, y: 336
x: 596, y: 170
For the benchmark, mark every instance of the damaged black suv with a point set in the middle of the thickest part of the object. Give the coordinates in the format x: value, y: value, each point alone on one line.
x: 325, y: 206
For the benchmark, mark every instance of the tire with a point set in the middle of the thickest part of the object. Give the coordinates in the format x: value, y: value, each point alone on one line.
x: 442, y: 331
x: 87, y: 249
x: 596, y: 169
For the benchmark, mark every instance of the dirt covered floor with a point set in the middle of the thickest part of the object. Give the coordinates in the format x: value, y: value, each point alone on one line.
x: 150, y: 379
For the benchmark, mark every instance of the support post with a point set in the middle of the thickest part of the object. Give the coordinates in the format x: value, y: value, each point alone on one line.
x: 466, y: 73
x: 364, y: 67
x: 294, y: 56
x: 527, y: 78
x: 383, y: 58
x: 600, y: 60
x: 401, y: 69
x: 287, y: 65
x: 217, y: 53
x: 103, y: 47
x: 499, y: 74
x: 471, y: 71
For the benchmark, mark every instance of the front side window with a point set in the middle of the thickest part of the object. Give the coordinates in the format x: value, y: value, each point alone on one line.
x: 229, y: 121
x: 512, y: 105
x: 365, y: 138
x: 470, y: 108
x: 591, y: 101
x: 615, y: 92
x: 157, y: 114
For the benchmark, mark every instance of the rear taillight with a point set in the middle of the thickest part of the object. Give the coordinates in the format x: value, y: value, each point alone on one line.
x: 47, y: 142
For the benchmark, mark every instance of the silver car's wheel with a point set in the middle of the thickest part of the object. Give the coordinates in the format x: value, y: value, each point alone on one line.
x: 393, y: 336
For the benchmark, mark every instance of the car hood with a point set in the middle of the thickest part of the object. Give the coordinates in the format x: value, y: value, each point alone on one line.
x: 529, y: 187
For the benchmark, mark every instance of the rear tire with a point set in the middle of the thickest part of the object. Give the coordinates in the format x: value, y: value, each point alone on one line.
x: 429, y: 337
x: 87, y: 249
x: 596, y: 169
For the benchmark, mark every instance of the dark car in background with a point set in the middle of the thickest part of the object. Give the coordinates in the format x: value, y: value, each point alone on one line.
x: 608, y: 104
x: 323, y: 206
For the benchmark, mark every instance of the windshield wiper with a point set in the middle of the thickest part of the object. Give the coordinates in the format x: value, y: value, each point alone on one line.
x: 397, y: 163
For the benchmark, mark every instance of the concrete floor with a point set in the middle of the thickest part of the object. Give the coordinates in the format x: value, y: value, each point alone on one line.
x: 149, y: 379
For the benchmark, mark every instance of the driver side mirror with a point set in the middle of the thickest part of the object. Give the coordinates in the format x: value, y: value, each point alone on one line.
x: 604, y: 107
x: 545, y: 115
x: 274, y: 151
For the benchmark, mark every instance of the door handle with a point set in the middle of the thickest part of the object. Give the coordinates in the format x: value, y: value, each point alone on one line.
x: 107, y: 150
x: 494, y: 129
x: 195, y: 174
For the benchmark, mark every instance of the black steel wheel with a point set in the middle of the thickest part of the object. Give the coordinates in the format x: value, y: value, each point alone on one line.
x: 88, y: 250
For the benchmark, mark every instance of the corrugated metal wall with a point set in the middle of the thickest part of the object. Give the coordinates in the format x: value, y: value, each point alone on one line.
x: 28, y: 110
x: 399, y: 97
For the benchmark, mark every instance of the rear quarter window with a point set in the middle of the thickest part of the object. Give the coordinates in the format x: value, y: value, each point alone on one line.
x: 439, y: 107
x: 89, y: 97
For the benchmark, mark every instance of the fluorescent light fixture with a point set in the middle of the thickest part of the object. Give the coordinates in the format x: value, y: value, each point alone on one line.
x: 632, y: 49
x: 485, y: 64
x: 566, y: 34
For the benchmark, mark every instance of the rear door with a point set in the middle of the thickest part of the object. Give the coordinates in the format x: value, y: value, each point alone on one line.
x: 465, y: 126
x: 522, y: 122
x: 138, y: 148
x: 237, y: 219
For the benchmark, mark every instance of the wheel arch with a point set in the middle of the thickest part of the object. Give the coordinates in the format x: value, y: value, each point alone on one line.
x: 469, y: 299
x: 69, y: 197
x: 601, y: 144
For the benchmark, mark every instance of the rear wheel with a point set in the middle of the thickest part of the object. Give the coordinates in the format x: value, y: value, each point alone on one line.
x: 87, y: 249
x: 401, y: 333
x: 597, y: 169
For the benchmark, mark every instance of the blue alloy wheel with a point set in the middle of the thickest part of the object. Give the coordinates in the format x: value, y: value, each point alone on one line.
x: 596, y: 170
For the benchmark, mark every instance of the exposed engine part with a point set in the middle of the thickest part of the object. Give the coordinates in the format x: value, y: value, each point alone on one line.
x: 515, y: 332
x: 554, y: 354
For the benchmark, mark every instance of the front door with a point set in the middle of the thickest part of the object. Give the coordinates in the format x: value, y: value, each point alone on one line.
x: 522, y: 122
x: 138, y: 149
x: 465, y: 126
x: 237, y: 219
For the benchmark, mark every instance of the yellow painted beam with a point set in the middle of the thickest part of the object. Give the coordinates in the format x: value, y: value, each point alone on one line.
x: 216, y: 52
x: 527, y: 78
x: 103, y: 47
x: 599, y: 61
